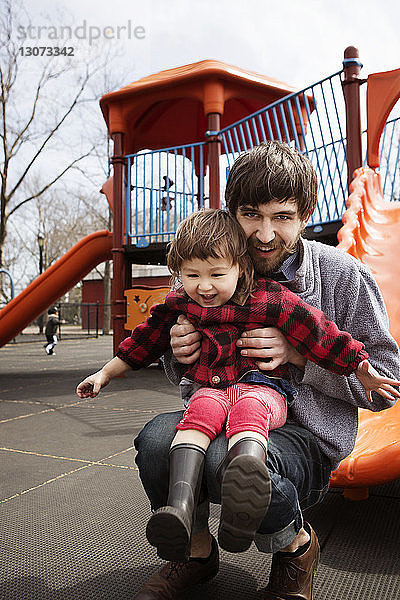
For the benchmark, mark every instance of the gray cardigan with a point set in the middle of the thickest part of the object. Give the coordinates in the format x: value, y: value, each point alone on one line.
x: 326, y: 404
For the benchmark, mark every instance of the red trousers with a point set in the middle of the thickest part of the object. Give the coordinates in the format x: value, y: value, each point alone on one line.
x: 244, y: 407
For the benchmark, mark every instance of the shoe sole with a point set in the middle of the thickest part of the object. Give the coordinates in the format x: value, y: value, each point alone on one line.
x: 167, y: 531
x: 245, y: 498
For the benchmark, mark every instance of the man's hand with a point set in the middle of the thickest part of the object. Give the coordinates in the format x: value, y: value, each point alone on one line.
x: 270, y: 348
x: 185, y: 341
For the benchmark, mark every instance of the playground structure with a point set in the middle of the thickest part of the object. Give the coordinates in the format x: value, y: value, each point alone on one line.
x: 153, y: 189
x: 370, y: 234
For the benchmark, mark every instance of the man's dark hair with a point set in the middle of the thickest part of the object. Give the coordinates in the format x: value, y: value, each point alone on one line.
x: 272, y: 171
x: 52, y: 310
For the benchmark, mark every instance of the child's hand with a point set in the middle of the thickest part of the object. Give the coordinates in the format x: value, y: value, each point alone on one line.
x: 91, y: 386
x: 373, y: 382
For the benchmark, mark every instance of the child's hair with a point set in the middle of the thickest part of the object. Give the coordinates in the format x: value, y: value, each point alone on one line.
x: 212, y: 233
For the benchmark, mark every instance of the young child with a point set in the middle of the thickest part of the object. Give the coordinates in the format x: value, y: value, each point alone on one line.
x: 51, y: 330
x: 218, y: 295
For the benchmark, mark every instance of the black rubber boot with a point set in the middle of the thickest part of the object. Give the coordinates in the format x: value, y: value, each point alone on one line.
x: 245, y: 494
x: 169, y: 528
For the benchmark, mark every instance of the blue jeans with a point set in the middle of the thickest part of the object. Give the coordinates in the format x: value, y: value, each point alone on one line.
x: 299, y: 474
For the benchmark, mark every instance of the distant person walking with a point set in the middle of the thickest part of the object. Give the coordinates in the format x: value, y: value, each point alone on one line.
x: 51, y: 330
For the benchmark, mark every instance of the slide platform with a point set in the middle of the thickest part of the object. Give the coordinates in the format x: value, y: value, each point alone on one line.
x: 370, y: 233
x: 53, y: 283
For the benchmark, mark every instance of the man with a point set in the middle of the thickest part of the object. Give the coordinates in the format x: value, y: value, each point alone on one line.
x: 271, y: 190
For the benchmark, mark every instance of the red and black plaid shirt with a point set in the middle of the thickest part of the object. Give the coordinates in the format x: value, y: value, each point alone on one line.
x: 220, y: 364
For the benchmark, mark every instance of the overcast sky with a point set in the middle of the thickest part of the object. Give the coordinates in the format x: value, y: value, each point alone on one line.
x: 297, y: 42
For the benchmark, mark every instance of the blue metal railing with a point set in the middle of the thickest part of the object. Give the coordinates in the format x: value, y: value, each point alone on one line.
x: 162, y: 188
x: 312, y: 120
x: 390, y: 160
x: 389, y: 156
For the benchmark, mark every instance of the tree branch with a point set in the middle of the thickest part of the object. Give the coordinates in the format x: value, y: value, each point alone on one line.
x: 50, y: 135
x: 46, y: 187
x: 32, y: 116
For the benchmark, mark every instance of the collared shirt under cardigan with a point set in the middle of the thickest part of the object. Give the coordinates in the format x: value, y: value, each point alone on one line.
x: 220, y: 363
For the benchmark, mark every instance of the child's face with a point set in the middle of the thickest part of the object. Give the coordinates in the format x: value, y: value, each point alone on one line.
x: 210, y: 282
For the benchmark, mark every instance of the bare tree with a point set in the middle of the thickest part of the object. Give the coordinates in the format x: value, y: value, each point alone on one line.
x: 63, y: 223
x: 102, y: 152
x: 36, y: 105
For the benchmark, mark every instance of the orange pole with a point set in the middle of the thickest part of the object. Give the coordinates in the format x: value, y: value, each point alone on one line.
x: 351, y: 90
x: 214, y: 152
x: 118, y: 312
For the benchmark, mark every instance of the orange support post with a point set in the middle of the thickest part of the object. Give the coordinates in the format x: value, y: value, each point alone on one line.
x: 119, y: 267
x: 214, y: 152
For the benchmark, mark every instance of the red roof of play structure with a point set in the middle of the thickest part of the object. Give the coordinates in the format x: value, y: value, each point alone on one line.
x: 170, y: 108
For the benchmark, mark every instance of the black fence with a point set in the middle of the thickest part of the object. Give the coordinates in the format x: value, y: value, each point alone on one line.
x: 84, y: 318
x: 77, y: 320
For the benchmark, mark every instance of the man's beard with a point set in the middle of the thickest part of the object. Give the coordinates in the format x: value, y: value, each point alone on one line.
x: 266, y: 265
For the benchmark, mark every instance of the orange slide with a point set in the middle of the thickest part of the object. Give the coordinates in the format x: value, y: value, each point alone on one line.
x: 370, y: 233
x: 53, y: 283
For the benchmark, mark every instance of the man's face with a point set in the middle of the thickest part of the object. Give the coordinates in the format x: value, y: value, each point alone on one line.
x: 272, y: 232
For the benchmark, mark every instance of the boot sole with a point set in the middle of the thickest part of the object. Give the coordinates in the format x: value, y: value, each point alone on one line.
x: 245, y: 498
x: 167, y: 531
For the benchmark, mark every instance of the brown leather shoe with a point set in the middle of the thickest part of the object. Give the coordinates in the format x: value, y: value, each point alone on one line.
x: 175, y: 578
x: 292, y: 577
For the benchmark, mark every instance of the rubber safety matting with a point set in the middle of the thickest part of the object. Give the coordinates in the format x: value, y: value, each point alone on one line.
x: 73, y: 511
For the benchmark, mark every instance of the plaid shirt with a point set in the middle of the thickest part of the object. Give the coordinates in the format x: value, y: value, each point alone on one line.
x: 220, y: 364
